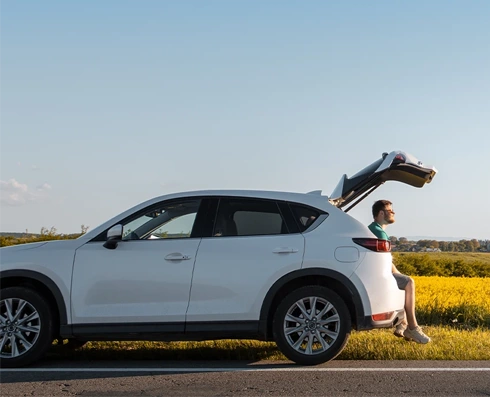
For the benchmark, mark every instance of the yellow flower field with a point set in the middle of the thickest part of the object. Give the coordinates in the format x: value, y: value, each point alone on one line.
x: 453, y: 301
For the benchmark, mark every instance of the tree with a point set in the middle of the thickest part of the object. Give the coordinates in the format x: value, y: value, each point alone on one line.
x: 434, y: 244
x: 467, y: 245
x: 444, y: 245
x: 51, y: 232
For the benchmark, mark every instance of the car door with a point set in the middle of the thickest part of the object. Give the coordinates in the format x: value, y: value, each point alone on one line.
x: 250, y: 248
x: 395, y: 166
x: 147, y: 277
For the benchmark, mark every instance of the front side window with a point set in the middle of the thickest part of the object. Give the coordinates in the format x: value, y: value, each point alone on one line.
x: 248, y: 217
x: 169, y: 220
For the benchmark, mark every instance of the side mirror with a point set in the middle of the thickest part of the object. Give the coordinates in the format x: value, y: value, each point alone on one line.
x: 114, y: 235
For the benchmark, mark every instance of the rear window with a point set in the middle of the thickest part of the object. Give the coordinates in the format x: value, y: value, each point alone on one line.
x: 253, y: 222
x: 248, y: 217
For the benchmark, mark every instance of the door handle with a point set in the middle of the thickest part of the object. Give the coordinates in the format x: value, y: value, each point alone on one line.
x: 285, y: 250
x: 177, y: 257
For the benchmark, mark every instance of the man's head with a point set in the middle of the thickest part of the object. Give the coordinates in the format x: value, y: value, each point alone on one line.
x: 383, y: 212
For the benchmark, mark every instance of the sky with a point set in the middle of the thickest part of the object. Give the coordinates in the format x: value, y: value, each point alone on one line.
x: 105, y: 104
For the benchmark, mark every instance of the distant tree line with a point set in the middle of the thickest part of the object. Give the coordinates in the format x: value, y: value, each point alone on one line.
x: 44, y: 235
x: 404, y: 245
x: 443, y: 265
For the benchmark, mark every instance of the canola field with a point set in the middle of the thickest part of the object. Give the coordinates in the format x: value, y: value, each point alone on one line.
x: 457, y: 301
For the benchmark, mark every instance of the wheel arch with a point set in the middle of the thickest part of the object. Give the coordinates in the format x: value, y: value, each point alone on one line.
x: 331, y: 279
x: 41, y: 284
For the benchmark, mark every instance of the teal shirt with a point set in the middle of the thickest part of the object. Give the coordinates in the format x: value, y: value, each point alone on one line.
x: 378, y: 231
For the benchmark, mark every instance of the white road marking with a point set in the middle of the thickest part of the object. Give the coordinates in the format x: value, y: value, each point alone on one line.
x: 289, y: 369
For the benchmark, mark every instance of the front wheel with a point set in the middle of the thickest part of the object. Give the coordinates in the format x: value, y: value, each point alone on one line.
x: 311, y: 325
x: 25, y: 326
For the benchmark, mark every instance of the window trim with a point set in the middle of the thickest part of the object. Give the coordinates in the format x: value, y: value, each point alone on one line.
x: 288, y: 216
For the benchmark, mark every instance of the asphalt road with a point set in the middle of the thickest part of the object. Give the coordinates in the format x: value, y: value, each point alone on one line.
x: 265, y: 378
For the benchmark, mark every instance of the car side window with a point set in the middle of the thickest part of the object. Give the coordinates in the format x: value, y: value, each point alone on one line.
x: 168, y: 220
x: 248, y: 217
x: 304, y: 216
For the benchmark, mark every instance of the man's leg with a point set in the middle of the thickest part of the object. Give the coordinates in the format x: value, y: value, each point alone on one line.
x: 413, y: 332
x: 410, y: 304
x: 402, y: 282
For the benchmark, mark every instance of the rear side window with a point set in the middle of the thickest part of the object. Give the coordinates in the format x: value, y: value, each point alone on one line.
x: 248, y: 217
x: 304, y: 216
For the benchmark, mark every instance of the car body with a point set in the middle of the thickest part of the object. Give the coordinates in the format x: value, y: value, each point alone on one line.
x: 289, y: 267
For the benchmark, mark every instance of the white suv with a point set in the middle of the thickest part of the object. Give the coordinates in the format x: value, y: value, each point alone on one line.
x: 288, y: 267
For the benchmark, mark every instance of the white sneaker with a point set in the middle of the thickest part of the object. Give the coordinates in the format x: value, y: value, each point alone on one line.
x: 400, y: 329
x: 416, y: 335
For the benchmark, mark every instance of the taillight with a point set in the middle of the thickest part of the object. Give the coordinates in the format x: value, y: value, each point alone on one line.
x: 373, y: 244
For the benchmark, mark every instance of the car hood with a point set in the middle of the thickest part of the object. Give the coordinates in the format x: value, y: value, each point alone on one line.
x: 50, y: 245
x: 395, y: 166
x: 22, y: 247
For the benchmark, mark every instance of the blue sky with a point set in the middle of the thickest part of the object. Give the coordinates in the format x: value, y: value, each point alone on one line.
x: 105, y: 104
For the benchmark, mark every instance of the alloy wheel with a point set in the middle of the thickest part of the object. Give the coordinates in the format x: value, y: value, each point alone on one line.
x: 311, y: 325
x: 20, y: 326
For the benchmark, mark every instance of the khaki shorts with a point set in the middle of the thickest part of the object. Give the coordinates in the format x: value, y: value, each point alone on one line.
x: 402, y: 280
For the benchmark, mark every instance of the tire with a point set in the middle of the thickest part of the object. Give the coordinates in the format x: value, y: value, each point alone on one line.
x: 307, y: 344
x: 26, y: 320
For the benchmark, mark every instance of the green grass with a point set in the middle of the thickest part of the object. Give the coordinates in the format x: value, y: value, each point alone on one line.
x: 447, y: 344
x: 466, y: 257
x: 446, y: 264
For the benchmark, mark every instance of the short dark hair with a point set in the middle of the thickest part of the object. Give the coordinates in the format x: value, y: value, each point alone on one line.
x: 380, y: 205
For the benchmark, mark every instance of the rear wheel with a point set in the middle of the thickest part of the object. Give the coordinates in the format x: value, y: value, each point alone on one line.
x: 311, y: 325
x: 26, y: 326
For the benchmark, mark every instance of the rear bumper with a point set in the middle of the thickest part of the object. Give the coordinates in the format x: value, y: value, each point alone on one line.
x: 368, y: 323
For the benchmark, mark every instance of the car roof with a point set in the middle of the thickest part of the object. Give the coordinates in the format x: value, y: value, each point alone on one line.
x: 311, y: 198
x: 271, y: 194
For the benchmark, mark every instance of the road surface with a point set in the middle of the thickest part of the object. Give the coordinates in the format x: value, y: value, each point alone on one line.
x: 264, y: 378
